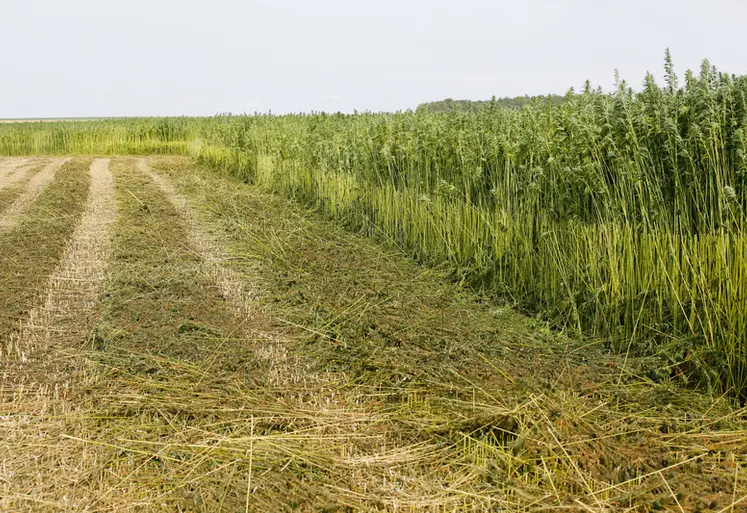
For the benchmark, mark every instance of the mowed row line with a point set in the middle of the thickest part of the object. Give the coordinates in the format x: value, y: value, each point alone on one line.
x: 8, y: 164
x: 206, y: 245
x: 234, y: 288
x: 35, y: 187
x: 40, y: 247
x: 13, y: 171
x: 73, y: 288
x: 31, y: 401
x: 64, y: 316
x: 61, y: 322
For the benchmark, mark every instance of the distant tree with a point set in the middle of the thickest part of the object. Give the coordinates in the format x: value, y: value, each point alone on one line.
x: 449, y: 104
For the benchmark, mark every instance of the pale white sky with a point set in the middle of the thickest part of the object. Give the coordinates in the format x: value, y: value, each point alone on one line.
x: 174, y: 57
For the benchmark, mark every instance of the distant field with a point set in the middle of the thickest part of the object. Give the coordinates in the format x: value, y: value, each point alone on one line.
x: 48, y: 120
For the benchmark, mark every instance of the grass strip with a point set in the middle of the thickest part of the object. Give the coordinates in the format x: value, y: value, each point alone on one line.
x: 31, y: 251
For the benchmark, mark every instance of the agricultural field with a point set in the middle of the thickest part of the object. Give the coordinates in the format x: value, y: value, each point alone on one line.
x: 525, y: 309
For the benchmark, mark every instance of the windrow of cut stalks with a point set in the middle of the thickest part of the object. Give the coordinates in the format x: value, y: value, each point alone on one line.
x: 617, y: 215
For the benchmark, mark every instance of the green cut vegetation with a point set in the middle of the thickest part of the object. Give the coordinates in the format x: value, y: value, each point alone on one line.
x: 247, y: 353
x: 474, y: 394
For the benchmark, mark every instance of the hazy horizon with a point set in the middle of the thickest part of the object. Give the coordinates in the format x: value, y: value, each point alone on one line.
x: 90, y: 59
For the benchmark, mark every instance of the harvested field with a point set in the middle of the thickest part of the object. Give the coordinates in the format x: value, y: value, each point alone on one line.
x: 14, y: 213
x: 177, y: 340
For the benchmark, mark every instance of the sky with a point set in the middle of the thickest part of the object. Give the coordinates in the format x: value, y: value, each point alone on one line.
x: 88, y: 58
